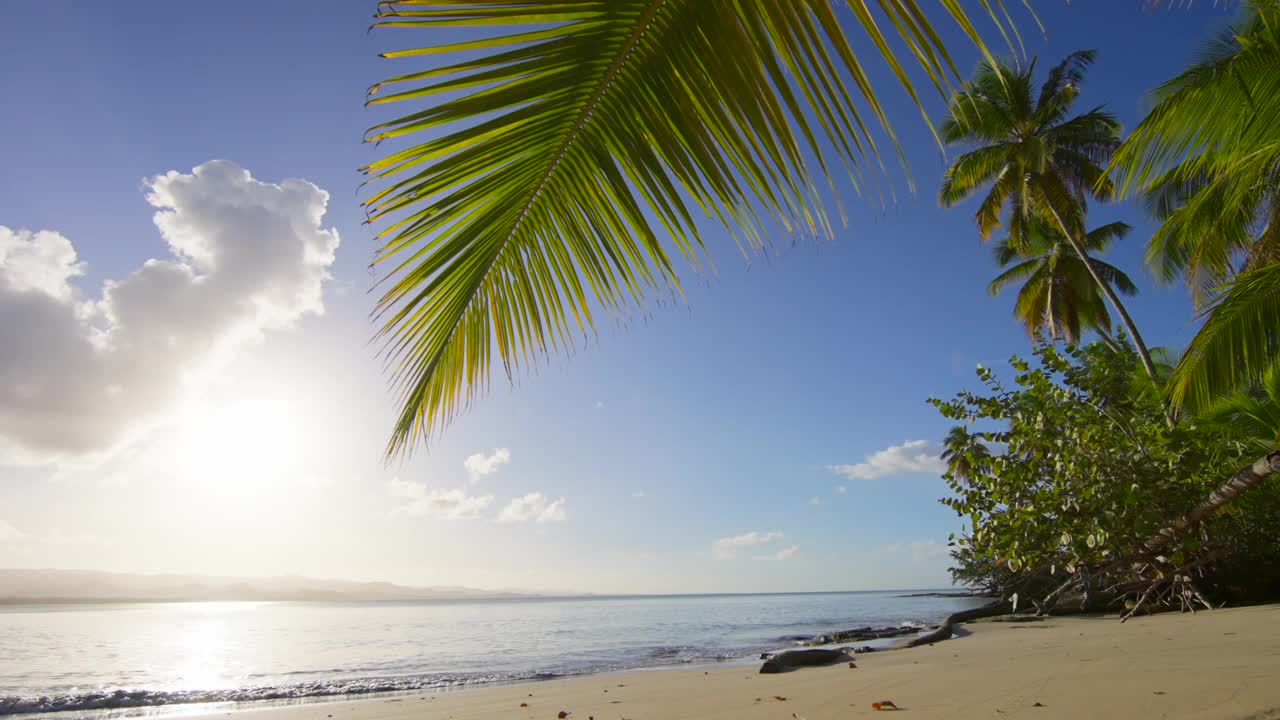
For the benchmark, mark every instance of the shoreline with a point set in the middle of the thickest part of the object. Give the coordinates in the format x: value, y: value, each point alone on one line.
x: 1219, y: 664
x: 219, y: 706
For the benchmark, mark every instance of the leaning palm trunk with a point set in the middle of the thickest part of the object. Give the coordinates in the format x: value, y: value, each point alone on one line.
x: 1110, y: 295
x: 1261, y: 469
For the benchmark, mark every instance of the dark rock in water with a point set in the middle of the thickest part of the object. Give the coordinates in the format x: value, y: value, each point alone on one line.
x: 792, y: 659
x: 862, y: 634
x: 766, y: 655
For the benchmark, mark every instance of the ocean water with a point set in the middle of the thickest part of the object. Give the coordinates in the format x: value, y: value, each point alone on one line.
x: 84, y: 658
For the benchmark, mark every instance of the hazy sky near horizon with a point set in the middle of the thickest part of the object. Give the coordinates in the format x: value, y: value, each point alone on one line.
x: 186, y: 382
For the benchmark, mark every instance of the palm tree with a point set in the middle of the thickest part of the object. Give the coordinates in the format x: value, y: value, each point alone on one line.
x: 1058, y: 292
x: 1034, y: 159
x: 963, y: 452
x: 1207, y: 159
x: 567, y: 145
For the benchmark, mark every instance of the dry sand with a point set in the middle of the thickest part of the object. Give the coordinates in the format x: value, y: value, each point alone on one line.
x: 1220, y: 664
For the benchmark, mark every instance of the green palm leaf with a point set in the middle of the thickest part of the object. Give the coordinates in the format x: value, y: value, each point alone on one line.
x: 568, y: 144
x: 1236, y: 344
x: 1058, y: 294
x: 1207, y: 159
x: 1207, y: 156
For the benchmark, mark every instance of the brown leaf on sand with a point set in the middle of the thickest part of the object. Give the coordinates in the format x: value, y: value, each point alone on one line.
x: 563, y: 714
x: 884, y: 705
x: 524, y: 704
x: 852, y: 666
x: 778, y: 698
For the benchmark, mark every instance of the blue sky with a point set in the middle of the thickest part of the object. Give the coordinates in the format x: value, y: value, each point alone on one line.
x: 693, y: 424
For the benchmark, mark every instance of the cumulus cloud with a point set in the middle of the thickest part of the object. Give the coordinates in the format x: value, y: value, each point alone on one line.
x: 726, y: 548
x: 920, y: 550
x: 913, y: 456
x: 81, y: 374
x: 840, y: 490
x: 784, y: 554
x: 533, y: 507
x: 436, y: 503
x: 479, y: 464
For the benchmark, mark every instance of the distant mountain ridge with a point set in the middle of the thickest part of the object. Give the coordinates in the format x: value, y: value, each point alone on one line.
x: 71, y: 586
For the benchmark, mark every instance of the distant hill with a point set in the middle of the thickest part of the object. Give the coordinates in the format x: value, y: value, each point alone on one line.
x: 72, y: 586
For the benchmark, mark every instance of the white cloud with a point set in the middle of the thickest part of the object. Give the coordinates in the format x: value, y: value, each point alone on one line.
x: 920, y: 549
x: 815, y: 500
x: 840, y: 490
x: 10, y: 534
x: 81, y: 375
x: 40, y: 262
x: 913, y: 456
x: 533, y: 508
x: 726, y: 548
x: 444, y: 504
x: 637, y: 494
x: 479, y: 464
x: 784, y: 554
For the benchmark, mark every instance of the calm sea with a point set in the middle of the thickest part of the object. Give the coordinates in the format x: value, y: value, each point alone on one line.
x: 94, y: 657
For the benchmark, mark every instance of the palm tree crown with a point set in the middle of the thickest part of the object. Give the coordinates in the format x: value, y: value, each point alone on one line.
x: 1057, y: 292
x: 963, y: 452
x: 1035, y: 159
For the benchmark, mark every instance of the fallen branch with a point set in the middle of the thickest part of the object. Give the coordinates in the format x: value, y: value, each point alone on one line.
x: 947, y: 629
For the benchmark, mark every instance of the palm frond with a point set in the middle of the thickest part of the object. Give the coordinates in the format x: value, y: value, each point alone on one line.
x: 1218, y: 110
x: 1236, y: 345
x: 970, y: 172
x: 1114, y: 276
x: 567, y: 147
x: 1061, y: 87
x: 1012, y: 275
x: 1101, y: 237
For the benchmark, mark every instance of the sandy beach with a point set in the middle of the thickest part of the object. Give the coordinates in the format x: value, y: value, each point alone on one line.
x: 1224, y: 664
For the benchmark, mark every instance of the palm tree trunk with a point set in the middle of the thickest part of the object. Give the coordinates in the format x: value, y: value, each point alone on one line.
x: 1108, y: 340
x: 1261, y: 469
x: 1139, y: 345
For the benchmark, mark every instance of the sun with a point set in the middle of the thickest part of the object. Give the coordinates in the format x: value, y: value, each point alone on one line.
x: 249, y: 443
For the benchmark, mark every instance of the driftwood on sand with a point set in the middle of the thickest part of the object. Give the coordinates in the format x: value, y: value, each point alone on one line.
x: 947, y: 628
x: 792, y: 659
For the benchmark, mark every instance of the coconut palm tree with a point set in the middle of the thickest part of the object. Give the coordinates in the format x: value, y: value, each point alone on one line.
x: 962, y: 451
x: 1034, y: 160
x: 1207, y: 160
x: 1058, y: 293
x: 552, y: 161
